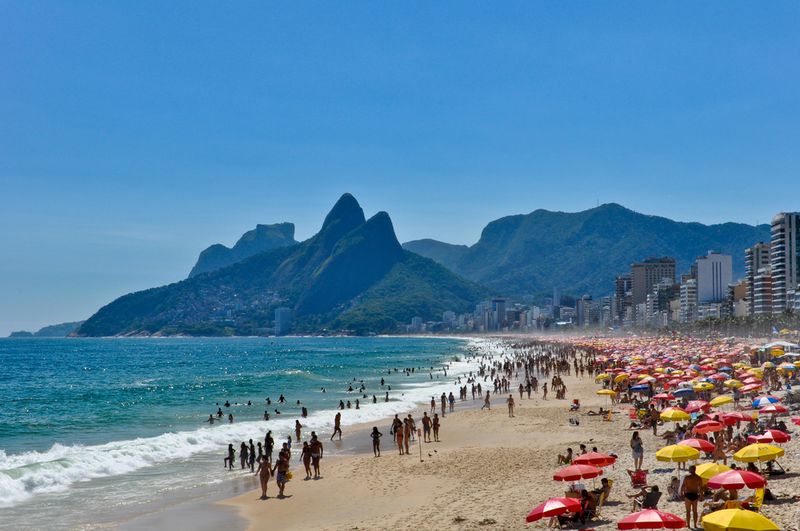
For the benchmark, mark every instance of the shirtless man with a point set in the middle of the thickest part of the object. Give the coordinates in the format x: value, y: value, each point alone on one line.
x: 282, y: 467
x: 691, y: 491
x: 510, y: 403
x: 316, y: 454
x: 337, y: 426
x: 436, y: 427
x: 426, y: 427
x: 264, y: 472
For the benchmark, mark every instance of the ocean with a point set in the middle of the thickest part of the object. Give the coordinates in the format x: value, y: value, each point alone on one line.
x: 94, y: 431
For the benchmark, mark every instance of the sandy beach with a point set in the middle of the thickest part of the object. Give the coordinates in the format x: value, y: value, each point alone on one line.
x: 488, y: 472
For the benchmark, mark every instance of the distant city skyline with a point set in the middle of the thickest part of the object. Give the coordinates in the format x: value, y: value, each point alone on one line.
x: 136, y: 135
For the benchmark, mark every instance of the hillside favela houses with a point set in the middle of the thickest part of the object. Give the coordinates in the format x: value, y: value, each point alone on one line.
x: 653, y: 294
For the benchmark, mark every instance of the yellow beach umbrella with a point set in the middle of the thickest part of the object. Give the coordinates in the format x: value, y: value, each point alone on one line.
x: 677, y: 453
x: 709, y: 470
x: 672, y: 414
x: 621, y: 378
x: 732, y: 383
x: 758, y: 452
x: 737, y: 520
x: 606, y: 392
x: 602, y: 376
x: 768, y: 365
x: 703, y: 386
x: 721, y: 400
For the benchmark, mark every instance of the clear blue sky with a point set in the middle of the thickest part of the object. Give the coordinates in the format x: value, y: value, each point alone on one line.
x: 134, y: 134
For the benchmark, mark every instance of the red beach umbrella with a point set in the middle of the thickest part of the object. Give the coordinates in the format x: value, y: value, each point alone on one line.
x: 664, y: 396
x: 697, y: 405
x: 707, y: 426
x: 750, y: 387
x: 773, y: 409
x: 796, y: 420
x: 576, y: 472
x: 776, y: 436
x: 737, y: 479
x: 651, y: 519
x: 736, y: 416
x: 698, y: 444
x: 595, y: 459
x: 554, y: 507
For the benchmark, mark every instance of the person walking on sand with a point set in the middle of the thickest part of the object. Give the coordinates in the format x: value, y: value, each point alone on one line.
x: 376, y: 441
x: 444, y: 404
x: 316, y: 454
x: 637, y: 450
x: 398, y: 436
x: 426, y: 427
x: 510, y: 403
x: 436, y: 427
x: 297, y: 428
x: 487, y: 402
x: 544, y: 391
x: 305, y: 457
x: 337, y: 426
x: 406, y: 434
x: 282, y: 468
x: 691, y: 490
x: 264, y: 472
x: 433, y: 405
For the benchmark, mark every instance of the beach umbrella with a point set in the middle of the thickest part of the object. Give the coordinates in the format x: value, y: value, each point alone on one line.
x: 776, y: 436
x: 758, y: 452
x: 763, y: 401
x: 674, y: 414
x: 732, y: 383
x: 621, y: 377
x: 736, y: 416
x: 796, y: 420
x: 677, y: 453
x: 606, y: 392
x: 651, y: 519
x: 664, y: 396
x: 595, y: 459
x: 751, y: 387
x: 576, y: 472
x: 697, y: 405
x: 773, y: 409
x: 683, y: 391
x: 721, y: 400
x: 554, y: 507
x: 640, y: 388
x: 703, y: 386
x: 709, y: 470
x: 737, y: 520
x: 737, y: 479
x: 602, y: 376
x: 698, y: 444
x: 707, y: 426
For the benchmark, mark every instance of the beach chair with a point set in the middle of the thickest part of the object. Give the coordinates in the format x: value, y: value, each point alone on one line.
x: 650, y: 501
x: 758, y: 500
x: 638, y: 478
x: 600, y: 503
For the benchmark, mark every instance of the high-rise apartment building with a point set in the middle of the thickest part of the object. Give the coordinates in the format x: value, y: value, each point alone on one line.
x: 648, y: 273
x: 713, y: 273
x: 761, y: 303
x: 622, y: 297
x: 756, y: 258
x: 784, y: 258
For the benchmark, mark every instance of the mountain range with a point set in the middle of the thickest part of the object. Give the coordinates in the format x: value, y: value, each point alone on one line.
x: 581, y: 253
x: 352, y: 275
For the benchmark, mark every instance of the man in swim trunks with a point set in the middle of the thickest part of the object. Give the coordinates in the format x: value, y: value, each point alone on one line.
x: 316, y: 454
x: 426, y: 427
x: 337, y: 426
x: 282, y: 467
x: 691, y: 490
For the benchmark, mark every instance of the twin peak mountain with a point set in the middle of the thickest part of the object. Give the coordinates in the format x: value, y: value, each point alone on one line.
x: 352, y: 275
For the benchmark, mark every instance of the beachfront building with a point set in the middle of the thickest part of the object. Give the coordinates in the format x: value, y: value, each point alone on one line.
x: 623, y: 297
x: 761, y: 303
x: 283, y: 321
x: 646, y: 274
x: 756, y: 258
x: 784, y: 259
x: 713, y: 273
x: 688, y: 298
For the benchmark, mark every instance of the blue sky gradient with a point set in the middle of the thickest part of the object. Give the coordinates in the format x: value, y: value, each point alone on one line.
x: 135, y: 134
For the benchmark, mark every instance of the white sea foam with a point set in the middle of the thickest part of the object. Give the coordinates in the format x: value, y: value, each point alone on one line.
x: 27, y: 474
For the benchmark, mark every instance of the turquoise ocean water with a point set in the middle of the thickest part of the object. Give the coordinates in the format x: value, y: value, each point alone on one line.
x: 95, y: 428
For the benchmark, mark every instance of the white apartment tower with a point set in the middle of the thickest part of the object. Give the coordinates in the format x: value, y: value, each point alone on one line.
x: 714, y: 273
x: 784, y: 259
